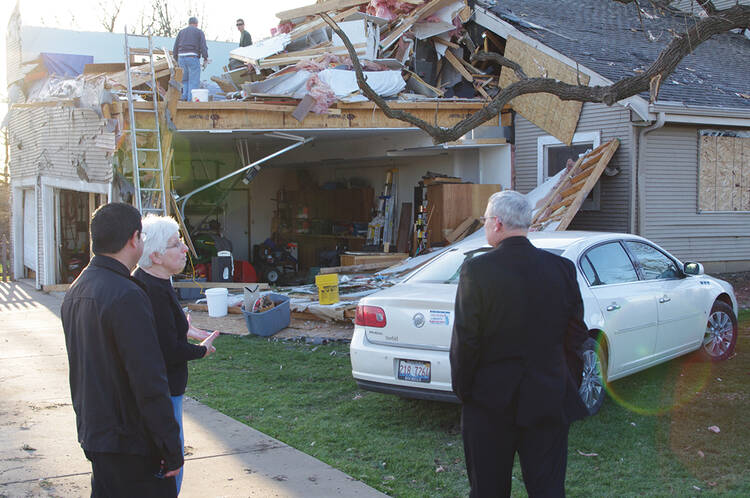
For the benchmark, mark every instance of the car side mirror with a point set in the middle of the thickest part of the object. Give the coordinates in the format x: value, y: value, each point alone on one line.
x: 693, y: 269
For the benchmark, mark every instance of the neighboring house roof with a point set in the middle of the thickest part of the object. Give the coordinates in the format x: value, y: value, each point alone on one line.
x: 609, y: 38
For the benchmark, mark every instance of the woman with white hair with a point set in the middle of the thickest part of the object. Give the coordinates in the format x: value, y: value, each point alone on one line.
x: 164, y: 255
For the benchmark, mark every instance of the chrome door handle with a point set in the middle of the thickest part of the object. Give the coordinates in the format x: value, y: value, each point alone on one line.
x: 613, y: 307
x: 664, y: 299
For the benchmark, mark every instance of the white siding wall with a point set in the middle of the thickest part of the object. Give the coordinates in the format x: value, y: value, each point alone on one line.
x: 59, y: 142
x: 611, y: 122
x: 671, y: 216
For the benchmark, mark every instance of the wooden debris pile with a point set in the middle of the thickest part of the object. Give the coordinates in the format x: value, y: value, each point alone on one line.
x: 410, y: 50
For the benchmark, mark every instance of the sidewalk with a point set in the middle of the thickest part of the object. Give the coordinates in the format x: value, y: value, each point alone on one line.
x: 40, y: 455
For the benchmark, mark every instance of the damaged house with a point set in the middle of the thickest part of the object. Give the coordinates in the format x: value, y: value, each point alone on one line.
x: 288, y: 153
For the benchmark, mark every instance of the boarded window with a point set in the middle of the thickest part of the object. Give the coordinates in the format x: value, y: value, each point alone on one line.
x: 724, y: 171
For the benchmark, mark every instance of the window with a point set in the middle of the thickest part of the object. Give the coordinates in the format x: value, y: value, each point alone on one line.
x: 553, y: 156
x: 653, y: 263
x: 723, y: 171
x: 608, y: 264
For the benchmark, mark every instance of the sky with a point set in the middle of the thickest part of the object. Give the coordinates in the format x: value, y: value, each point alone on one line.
x: 217, y: 19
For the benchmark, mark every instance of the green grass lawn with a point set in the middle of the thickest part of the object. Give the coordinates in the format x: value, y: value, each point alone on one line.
x: 651, y: 437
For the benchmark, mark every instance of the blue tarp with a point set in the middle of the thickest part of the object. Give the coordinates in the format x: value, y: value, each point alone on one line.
x: 68, y: 65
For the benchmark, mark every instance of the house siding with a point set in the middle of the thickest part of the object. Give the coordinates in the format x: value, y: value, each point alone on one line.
x: 13, y: 49
x: 671, y: 216
x: 611, y: 122
x: 60, y: 142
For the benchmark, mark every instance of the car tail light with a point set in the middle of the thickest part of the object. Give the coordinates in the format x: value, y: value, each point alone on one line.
x: 370, y: 316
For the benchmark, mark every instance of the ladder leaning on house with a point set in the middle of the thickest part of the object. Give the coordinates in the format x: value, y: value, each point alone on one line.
x: 148, y: 171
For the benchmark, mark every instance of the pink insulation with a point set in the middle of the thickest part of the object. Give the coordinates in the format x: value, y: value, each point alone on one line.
x: 389, y: 9
x: 284, y: 27
x: 322, y: 93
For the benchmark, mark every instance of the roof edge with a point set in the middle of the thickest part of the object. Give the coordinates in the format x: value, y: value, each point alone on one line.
x: 677, y: 112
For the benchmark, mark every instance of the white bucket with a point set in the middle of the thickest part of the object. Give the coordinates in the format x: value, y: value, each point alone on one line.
x: 199, y: 94
x: 217, y: 301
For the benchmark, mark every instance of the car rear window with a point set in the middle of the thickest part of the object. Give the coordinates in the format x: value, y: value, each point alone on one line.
x: 446, y: 268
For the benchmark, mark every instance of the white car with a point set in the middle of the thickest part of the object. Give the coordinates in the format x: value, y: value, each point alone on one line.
x: 642, y: 307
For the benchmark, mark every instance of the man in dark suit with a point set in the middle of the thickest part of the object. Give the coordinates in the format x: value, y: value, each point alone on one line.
x: 516, y: 356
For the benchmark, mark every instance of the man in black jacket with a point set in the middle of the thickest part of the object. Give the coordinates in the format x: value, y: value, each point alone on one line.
x: 516, y: 356
x: 118, y: 381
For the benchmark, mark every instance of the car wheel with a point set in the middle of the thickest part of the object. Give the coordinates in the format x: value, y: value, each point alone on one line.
x: 720, y: 337
x: 592, y: 389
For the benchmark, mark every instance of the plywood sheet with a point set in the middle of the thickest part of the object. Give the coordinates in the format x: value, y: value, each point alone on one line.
x: 556, y: 117
x: 707, y: 174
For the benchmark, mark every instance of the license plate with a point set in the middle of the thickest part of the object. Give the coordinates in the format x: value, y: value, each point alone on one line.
x: 415, y: 371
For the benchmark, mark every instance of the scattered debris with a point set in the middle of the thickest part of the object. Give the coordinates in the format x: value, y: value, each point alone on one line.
x: 587, y: 454
x: 714, y: 428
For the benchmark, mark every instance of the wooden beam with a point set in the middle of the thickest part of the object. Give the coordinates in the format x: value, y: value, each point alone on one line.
x: 213, y: 285
x: 366, y: 267
x: 425, y: 10
x: 458, y: 66
x: 232, y: 310
x: 303, y: 29
x: 608, y: 152
x: 250, y: 106
x: 211, y: 117
x: 311, y: 10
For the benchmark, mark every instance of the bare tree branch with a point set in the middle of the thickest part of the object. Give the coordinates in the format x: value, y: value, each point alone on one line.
x: 108, y: 17
x: 682, y: 45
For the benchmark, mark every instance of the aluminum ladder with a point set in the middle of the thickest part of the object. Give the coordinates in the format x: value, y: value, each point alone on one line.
x: 148, y: 172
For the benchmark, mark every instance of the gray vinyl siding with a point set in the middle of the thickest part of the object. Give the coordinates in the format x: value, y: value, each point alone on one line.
x: 60, y: 142
x: 610, y: 122
x: 671, y: 216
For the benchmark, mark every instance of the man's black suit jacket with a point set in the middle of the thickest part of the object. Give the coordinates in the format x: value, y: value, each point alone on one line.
x: 518, y: 334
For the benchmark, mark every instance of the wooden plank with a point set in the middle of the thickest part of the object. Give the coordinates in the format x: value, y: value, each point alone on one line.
x: 107, y: 67
x: 572, y: 190
x: 55, y: 288
x: 318, y: 8
x: 211, y: 117
x: 453, y: 60
x: 212, y: 285
x: 232, y: 310
x: 424, y: 11
x: 360, y: 259
x: 445, y: 42
x: 305, y: 28
x: 609, y: 151
x: 357, y: 268
x: 404, y: 228
x: 460, y: 229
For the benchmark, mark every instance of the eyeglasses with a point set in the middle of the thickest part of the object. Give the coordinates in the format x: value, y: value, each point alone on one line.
x: 180, y: 243
x: 240, y: 24
x: 482, y: 219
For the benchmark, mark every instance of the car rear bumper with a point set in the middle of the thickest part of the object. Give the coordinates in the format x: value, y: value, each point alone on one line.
x: 375, y: 367
x: 408, y: 392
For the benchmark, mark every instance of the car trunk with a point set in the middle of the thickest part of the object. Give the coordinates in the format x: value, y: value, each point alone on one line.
x: 403, y: 304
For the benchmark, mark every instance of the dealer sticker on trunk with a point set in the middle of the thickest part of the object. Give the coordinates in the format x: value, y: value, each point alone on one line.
x: 440, y: 317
